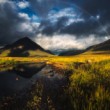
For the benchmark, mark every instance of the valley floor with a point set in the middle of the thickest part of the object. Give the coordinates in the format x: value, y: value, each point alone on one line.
x: 59, y: 59
x: 82, y: 80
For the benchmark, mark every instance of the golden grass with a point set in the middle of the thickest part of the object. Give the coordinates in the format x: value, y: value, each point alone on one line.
x: 89, y: 87
x: 59, y: 62
x: 60, y: 59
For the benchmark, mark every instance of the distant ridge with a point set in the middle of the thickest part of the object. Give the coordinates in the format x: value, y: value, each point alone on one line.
x: 101, y: 48
x: 71, y: 52
x: 23, y: 47
x: 104, y: 46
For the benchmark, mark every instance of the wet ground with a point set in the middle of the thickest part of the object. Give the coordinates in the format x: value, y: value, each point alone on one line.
x: 24, y: 79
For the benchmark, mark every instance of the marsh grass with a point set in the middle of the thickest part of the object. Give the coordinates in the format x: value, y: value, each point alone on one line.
x: 90, y: 86
x: 89, y: 81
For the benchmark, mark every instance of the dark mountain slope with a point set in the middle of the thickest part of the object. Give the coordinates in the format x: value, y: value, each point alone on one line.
x: 104, y: 46
x: 71, y: 52
x: 101, y: 48
x: 23, y: 47
x: 25, y: 43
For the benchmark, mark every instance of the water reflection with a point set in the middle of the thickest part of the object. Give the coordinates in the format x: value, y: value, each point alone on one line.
x: 23, y: 76
x: 29, y: 84
x: 19, y: 78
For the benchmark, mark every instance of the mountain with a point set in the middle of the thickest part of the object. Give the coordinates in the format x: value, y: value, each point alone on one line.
x: 71, y: 52
x: 101, y: 48
x: 104, y: 46
x: 23, y: 47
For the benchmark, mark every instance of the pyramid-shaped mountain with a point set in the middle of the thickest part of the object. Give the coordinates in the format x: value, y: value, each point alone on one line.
x: 23, y: 47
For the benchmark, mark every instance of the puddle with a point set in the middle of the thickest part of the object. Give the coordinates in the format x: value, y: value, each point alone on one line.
x: 24, y: 76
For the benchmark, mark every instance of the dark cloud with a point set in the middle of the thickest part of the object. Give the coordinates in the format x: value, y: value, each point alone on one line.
x: 95, y: 13
x: 79, y: 18
x: 92, y: 7
x: 80, y: 28
x: 7, y: 19
x: 41, y: 7
x: 49, y: 29
x: 13, y: 24
x: 95, y: 7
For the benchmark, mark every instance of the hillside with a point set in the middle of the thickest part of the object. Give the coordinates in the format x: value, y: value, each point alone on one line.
x: 23, y: 48
x: 71, y: 52
x: 102, y: 48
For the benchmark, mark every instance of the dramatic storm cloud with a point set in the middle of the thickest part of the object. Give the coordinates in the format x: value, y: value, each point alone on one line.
x: 13, y: 23
x: 55, y: 24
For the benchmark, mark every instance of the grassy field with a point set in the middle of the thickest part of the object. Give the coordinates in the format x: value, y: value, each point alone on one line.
x: 89, y: 86
x: 89, y: 81
x: 60, y: 59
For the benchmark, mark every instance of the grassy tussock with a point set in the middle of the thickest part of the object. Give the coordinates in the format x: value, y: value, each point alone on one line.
x: 90, y: 86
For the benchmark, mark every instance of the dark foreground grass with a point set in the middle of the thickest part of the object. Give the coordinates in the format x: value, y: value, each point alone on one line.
x: 88, y: 88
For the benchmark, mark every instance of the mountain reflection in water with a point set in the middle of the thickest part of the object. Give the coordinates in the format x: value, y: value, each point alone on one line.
x: 24, y: 76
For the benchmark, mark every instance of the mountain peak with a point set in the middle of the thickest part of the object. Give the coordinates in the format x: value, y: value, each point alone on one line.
x: 26, y: 43
x: 24, y: 47
x: 24, y: 39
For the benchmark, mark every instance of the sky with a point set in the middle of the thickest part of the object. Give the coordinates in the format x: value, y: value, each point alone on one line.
x: 55, y: 24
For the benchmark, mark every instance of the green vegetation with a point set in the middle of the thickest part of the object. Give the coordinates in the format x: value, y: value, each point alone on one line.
x: 7, y: 65
x: 38, y: 53
x: 4, y: 53
x: 29, y: 53
x: 90, y: 86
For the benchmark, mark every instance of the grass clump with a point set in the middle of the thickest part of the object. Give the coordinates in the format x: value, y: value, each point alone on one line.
x: 89, y: 86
